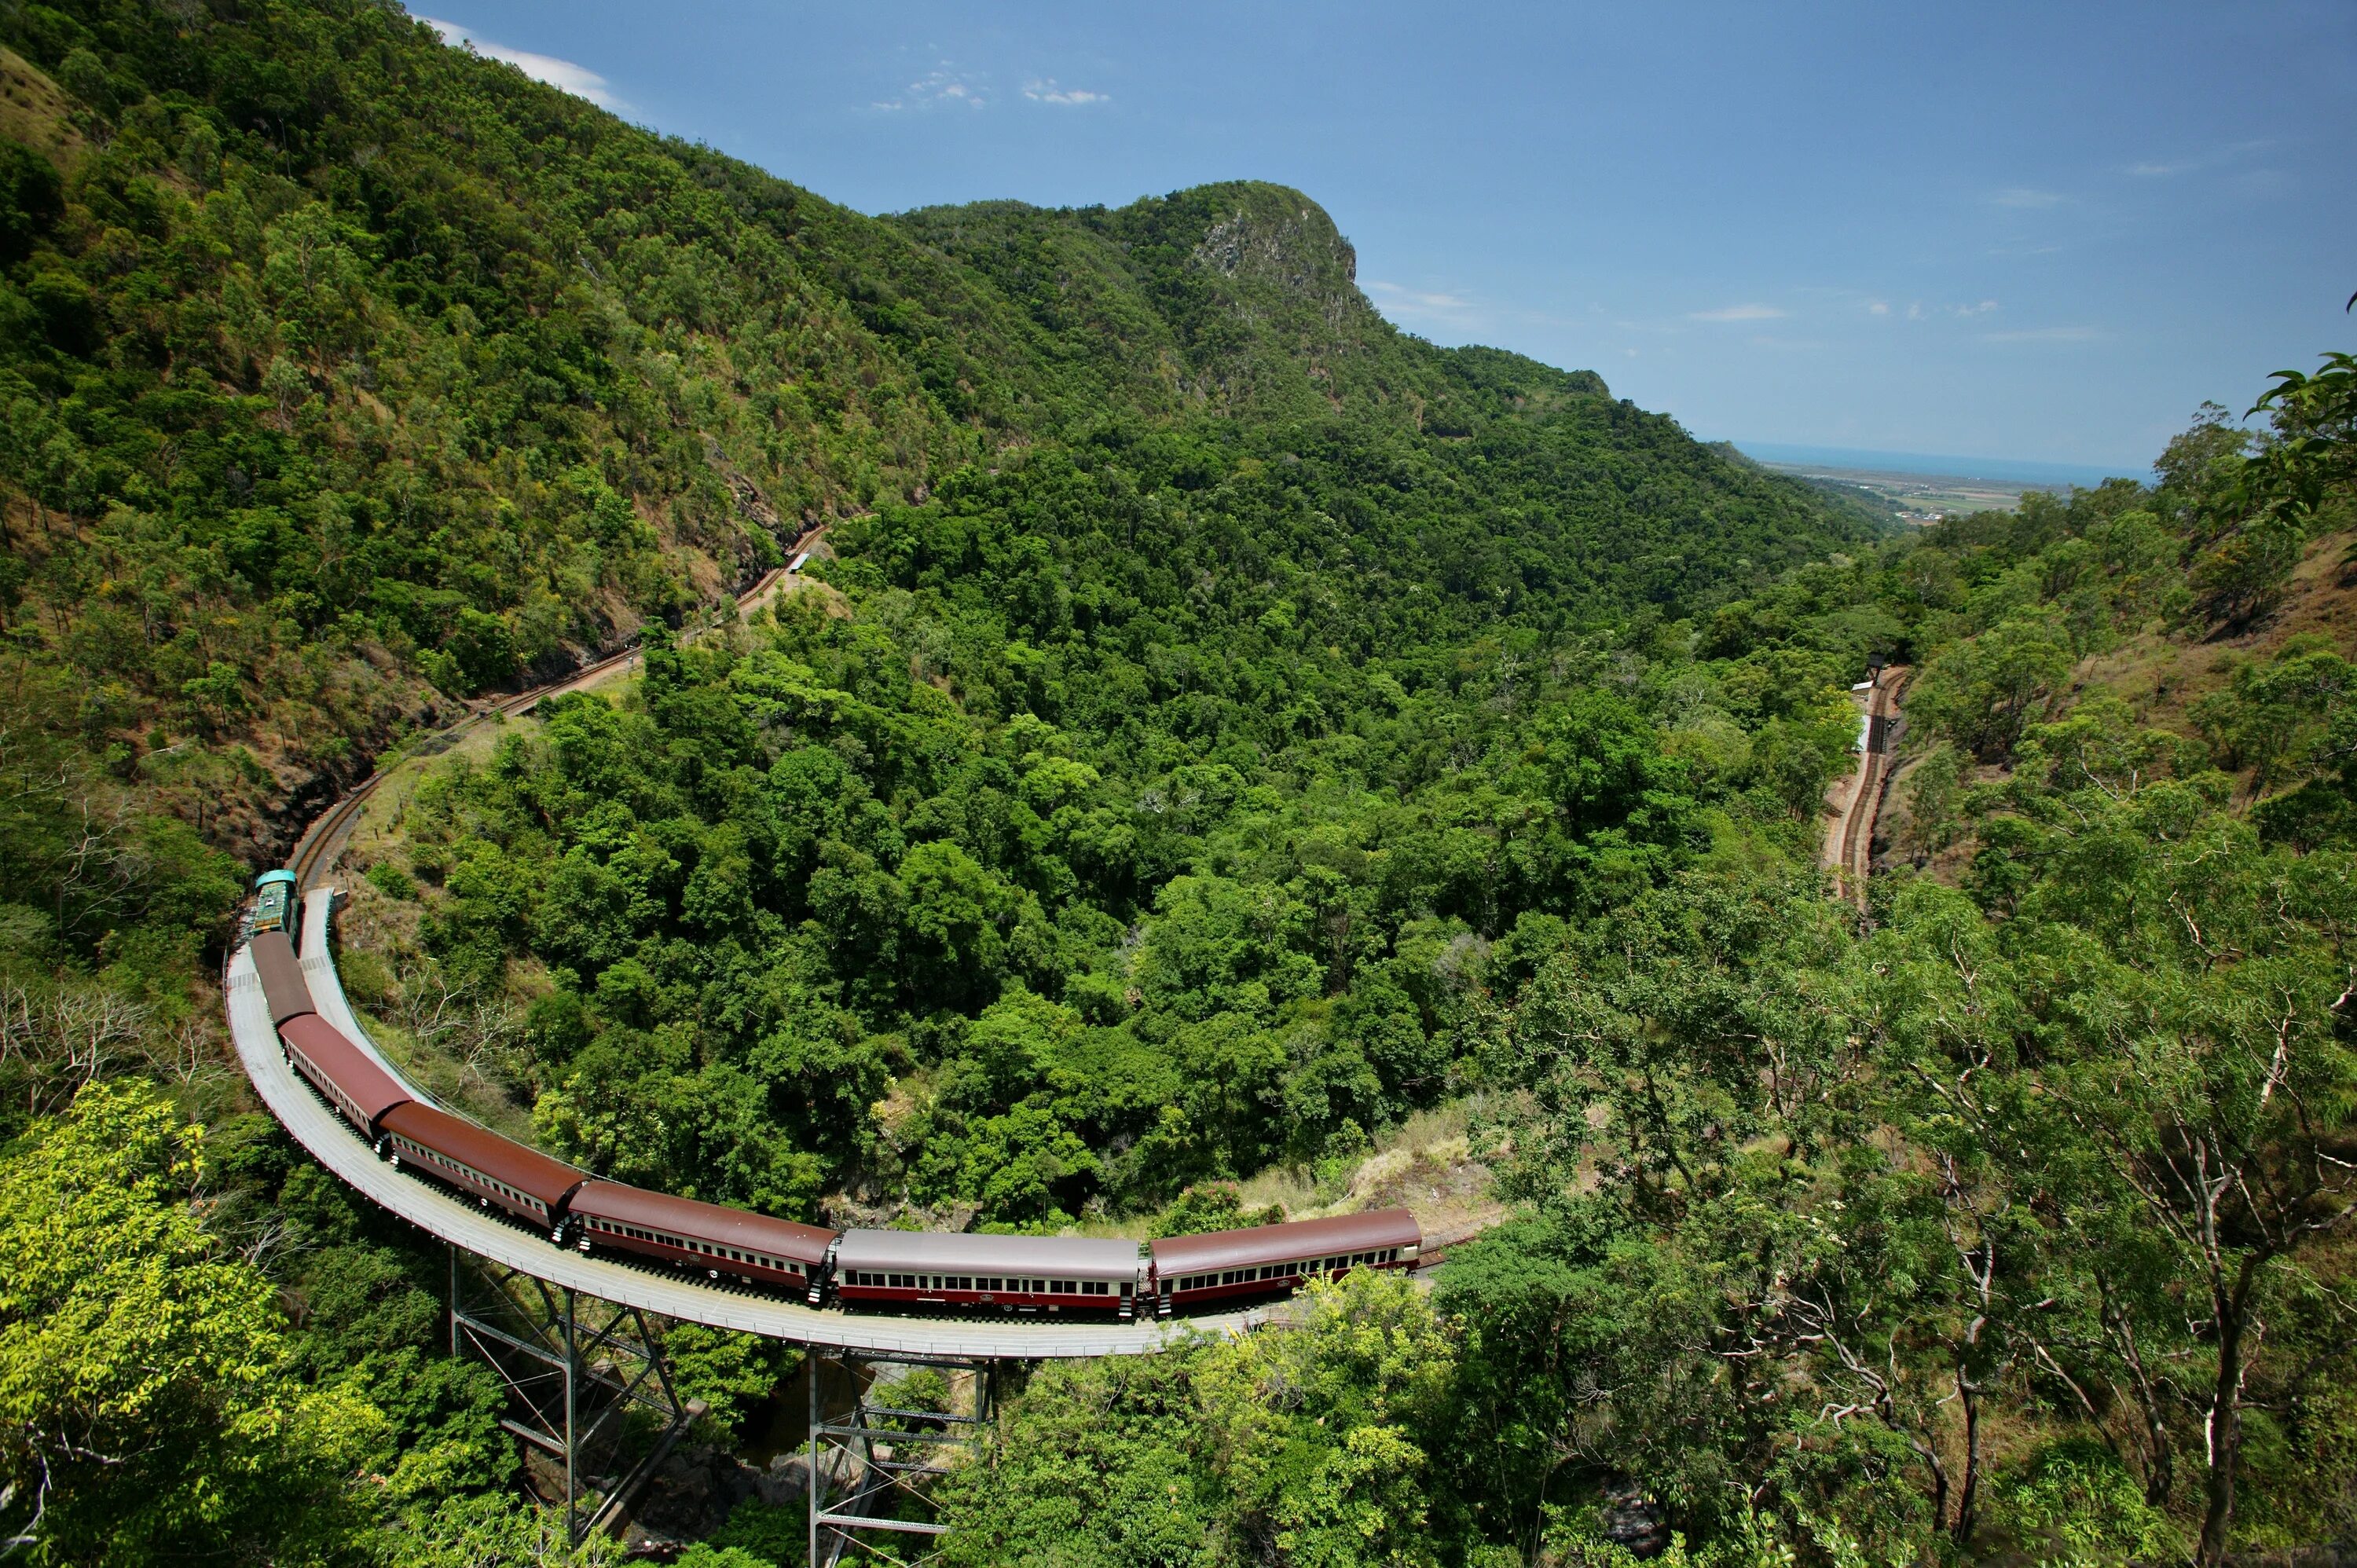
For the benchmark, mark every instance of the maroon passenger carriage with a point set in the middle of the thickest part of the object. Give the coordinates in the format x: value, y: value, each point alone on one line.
x: 751, y: 1247
x: 494, y: 1170
x: 281, y: 973
x: 1190, y: 1270
x: 353, y: 1084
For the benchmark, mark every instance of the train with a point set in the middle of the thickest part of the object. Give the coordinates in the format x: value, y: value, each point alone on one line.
x: 851, y: 1269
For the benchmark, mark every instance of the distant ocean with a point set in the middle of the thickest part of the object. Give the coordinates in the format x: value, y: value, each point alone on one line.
x: 2000, y: 470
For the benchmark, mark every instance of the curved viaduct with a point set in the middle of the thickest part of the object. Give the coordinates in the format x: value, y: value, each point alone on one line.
x: 452, y: 1219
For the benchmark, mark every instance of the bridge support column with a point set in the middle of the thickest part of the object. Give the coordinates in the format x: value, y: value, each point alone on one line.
x: 587, y: 1381
x: 871, y: 1473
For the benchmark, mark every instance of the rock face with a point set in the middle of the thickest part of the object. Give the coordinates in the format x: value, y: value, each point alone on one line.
x: 695, y: 1490
x: 1631, y: 1519
x: 1280, y: 241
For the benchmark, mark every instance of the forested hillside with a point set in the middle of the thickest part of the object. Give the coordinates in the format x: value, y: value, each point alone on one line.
x: 1227, y: 731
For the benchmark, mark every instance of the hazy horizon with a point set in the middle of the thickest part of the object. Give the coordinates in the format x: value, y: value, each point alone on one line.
x: 1947, y: 465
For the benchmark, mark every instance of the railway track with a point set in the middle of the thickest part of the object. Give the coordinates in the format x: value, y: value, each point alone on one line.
x: 1850, y: 843
x: 322, y: 844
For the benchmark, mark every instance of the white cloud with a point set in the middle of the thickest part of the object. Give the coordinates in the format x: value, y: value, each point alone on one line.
x: 2044, y: 335
x: 2024, y: 197
x: 561, y: 74
x: 1737, y: 313
x: 1411, y: 304
x: 1046, y: 91
x: 945, y: 84
x: 1982, y: 308
x: 1877, y: 308
x: 2157, y: 169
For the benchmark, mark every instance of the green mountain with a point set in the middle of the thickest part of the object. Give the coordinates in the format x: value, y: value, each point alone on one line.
x: 343, y: 367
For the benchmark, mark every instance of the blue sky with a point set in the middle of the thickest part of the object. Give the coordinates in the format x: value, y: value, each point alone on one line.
x: 2040, y: 232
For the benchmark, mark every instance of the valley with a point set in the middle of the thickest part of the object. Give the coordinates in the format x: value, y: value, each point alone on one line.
x: 1020, y: 725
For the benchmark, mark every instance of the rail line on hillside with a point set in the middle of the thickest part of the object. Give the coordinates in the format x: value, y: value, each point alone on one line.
x: 1849, y: 844
x: 450, y: 1219
x: 323, y: 841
